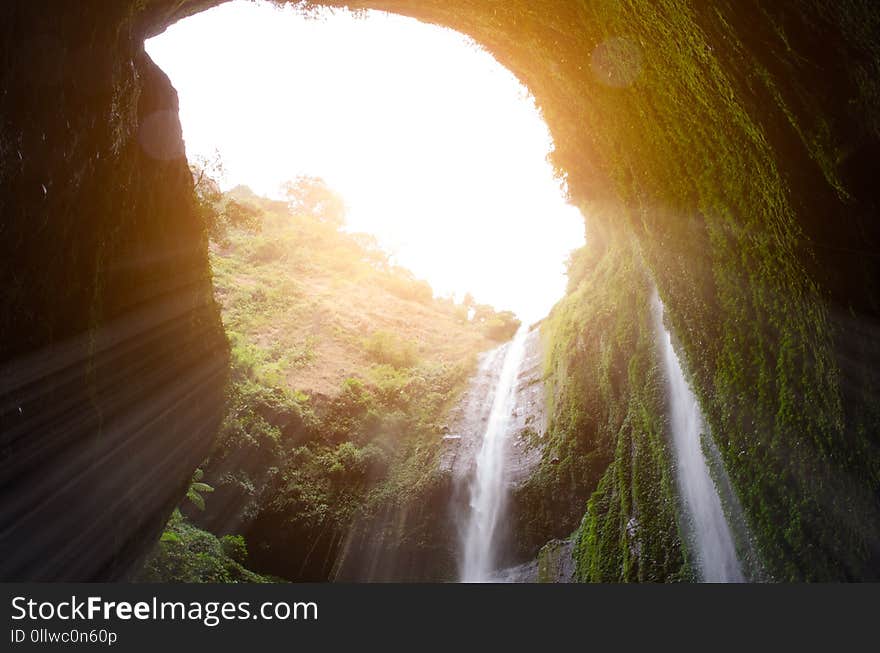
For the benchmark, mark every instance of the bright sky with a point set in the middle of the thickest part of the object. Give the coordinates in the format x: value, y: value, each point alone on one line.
x: 437, y: 149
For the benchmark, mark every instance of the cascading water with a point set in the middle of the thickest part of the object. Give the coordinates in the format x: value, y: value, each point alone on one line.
x: 711, y: 536
x: 488, y: 485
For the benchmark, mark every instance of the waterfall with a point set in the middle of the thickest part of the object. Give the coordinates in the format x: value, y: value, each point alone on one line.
x: 488, y: 485
x: 710, y: 533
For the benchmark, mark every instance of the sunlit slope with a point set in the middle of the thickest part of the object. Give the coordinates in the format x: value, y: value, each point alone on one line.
x: 306, y: 305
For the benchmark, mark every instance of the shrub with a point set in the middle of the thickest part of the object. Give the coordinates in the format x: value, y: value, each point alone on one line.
x: 234, y: 546
x: 389, y: 348
x: 186, y: 554
x: 401, y: 283
x: 502, y: 326
x: 265, y: 251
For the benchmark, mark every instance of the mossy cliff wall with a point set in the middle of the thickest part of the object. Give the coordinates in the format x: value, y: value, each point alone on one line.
x: 724, y: 148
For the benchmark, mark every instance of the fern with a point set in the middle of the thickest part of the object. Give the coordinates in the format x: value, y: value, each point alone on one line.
x: 196, y: 488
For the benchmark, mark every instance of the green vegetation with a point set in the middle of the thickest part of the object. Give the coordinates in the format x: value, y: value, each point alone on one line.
x: 197, y: 488
x: 496, y: 325
x: 386, y: 348
x: 186, y: 554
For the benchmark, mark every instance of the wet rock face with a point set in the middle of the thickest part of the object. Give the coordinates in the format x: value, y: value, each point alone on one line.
x: 523, y: 445
x: 112, y: 356
x: 468, y: 419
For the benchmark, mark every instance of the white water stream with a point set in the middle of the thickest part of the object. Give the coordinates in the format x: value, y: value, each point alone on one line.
x: 710, y: 532
x: 488, y: 485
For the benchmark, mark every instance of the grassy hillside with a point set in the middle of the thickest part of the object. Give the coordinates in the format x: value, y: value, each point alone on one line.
x: 306, y: 305
x: 343, y: 367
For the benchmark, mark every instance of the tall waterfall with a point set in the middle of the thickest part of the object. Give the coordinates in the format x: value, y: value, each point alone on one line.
x: 710, y: 532
x: 488, y: 485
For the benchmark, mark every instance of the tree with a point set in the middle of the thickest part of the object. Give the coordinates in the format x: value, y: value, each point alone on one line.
x: 206, y: 171
x: 312, y: 196
x: 206, y: 189
x: 372, y: 252
x: 502, y: 326
x: 218, y: 210
x: 241, y: 215
x: 498, y: 325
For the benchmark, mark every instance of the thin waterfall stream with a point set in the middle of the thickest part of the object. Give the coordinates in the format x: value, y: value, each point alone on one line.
x: 710, y: 532
x: 488, y: 485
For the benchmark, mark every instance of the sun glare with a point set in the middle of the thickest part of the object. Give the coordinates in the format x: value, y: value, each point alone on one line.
x: 436, y: 148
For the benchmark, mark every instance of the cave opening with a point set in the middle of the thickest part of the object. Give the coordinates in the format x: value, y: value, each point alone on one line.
x: 381, y: 210
x: 722, y: 158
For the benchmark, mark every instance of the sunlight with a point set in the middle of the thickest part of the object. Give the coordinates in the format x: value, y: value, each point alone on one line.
x: 437, y: 149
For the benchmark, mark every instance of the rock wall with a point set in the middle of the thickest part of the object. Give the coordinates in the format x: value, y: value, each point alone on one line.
x: 113, y: 356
